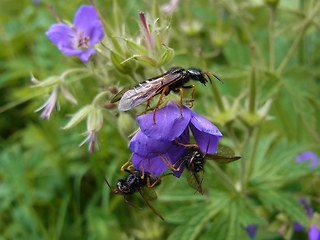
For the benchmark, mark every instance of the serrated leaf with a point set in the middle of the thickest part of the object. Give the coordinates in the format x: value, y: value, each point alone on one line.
x: 194, y: 225
x: 285, y: 202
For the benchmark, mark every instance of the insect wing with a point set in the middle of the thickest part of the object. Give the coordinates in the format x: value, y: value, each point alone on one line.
x: 194, y: 181
x: 119, y: 95
x: 224, y: 154
x: 149, y: 193
x: 145, y: 90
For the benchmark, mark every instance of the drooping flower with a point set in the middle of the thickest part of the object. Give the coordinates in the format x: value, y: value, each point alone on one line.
x: 314, y: 232
x: 251, y: 230
x: 48, y: 106
x: 79, y: 39
x: 308, y: 155
x: 149, y: 154
x: 171, y: 127
x: 94, y: 125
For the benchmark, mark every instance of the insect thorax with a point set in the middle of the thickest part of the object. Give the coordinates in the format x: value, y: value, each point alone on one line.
x: 194, y: 160
x: 132, y: 183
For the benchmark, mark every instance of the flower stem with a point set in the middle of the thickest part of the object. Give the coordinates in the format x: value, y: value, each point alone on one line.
x: 98, y: 97
x: 225, y: 180
x: 73, y: 70
x: 252, y: 93
x: 249, y: 161
x: 272, y: 38
x: 217, y: 96
x: 299, y: 38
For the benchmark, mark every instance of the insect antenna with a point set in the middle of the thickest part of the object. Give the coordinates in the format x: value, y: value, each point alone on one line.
x: 150, y: 206
x: 112, y: 189
x: 210, y: 73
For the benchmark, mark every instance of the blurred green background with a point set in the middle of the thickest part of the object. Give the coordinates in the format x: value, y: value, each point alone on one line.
x: 51, y: 189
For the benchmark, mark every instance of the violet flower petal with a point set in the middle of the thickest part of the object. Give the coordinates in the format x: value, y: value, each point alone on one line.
x: 84, y: 56
x: 155, y: 163
x: 60, y: 33
x: 314, y: 232
x: 169, y: 123
x: 203, y: 130
x: 297, y: 227
x: 145, y: 146
x: 96, y: 33
x: 85, y: 19
x: 308, y: 155
x: 251, y: 229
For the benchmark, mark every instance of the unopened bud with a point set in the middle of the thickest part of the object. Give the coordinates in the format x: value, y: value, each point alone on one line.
x: 126, y: 124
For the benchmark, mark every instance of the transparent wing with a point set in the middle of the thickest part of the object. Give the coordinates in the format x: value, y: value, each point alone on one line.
x: 149, y: 193
x: 224, y: 154
x: 194, y: 181
x: 145, y: 90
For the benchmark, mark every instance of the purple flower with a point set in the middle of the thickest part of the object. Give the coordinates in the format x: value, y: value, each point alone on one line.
x: 48, y: 105
x: 170, y: 7
x: 80, y: 39
x: 251, y: 229
x: 308, y: 155
x: 151, y: 153
x: 94, y: 125
x: 161, y: 137
x: 314, y: 232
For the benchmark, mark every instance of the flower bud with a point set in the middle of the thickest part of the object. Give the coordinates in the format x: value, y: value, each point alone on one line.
x: 126, y: 124
x: 95, y: 120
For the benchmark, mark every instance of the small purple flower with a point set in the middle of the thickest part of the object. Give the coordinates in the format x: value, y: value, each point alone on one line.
x: 48, y: 105
x: 80, y: 39
x: 251, y: 230
x: 91, y: 139
x: 308, y: 155
x: 314, y: 232
x: 94, y: 125
x: 161, y: 137
x: 149, y: 38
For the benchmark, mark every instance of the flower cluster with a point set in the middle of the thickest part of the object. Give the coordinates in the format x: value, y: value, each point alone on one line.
x: 153, y: 141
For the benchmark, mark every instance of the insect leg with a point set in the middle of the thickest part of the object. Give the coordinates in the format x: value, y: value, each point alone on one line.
x: 187, y: 145
x: 124, y: 165
x: 158, y: 179
x: 165, y: 89
x: 150, y: 169
x: 150, y: 206
x: 167, y: 163
x: 148, y: 104
x: 207, y: 148
x: 142, y: 168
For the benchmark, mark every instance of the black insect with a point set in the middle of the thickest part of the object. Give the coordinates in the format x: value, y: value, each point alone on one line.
x: 173, y: 80
x: 194, y: 160
x: 140, y: 182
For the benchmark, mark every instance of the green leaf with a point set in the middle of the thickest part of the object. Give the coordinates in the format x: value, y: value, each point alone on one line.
x: 166, y: 57
x: 286, y: 202
x: 135, y: 48
x: 193, y: 226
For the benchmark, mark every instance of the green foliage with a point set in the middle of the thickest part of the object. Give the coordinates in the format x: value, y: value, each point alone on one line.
x: 268, y: 109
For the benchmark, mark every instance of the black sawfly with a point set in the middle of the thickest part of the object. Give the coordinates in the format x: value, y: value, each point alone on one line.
x: 140, y: 182
x: 194, y: 159
x: 173, y: 80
